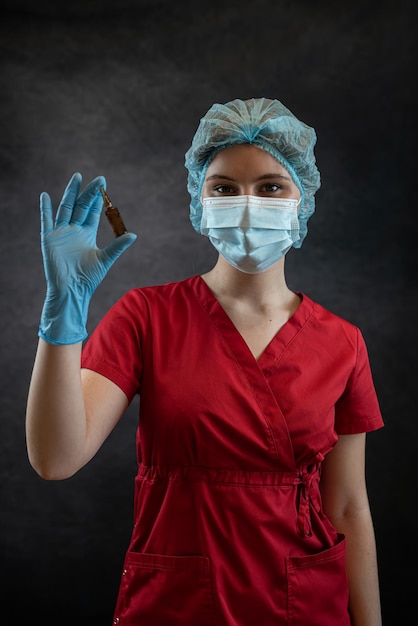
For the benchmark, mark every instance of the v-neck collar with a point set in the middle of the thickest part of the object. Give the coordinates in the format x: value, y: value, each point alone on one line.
x: 274, y: 350
x: 258, y: 372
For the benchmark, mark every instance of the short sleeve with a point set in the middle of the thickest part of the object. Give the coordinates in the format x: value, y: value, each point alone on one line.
x: 114, y: 349
x: 357, y: 410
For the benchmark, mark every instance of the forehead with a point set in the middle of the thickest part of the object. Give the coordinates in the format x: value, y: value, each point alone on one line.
x: 246, y: 158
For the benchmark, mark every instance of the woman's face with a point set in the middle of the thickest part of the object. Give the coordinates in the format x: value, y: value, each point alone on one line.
x: 244, y: 169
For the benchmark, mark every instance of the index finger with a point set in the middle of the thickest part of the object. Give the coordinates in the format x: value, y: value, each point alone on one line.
x: 87, y: 200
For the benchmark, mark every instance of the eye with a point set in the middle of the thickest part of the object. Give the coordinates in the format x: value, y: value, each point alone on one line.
x: 224, y: 189
x: 270, y: 188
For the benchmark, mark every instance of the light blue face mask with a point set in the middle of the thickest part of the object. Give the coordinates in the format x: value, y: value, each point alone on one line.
x: 251, y: 232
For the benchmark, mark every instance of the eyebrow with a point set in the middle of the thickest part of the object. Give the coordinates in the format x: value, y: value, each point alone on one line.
x: 263, y: 177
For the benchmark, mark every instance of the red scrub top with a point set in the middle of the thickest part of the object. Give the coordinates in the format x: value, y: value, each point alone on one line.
x: 229, y: 528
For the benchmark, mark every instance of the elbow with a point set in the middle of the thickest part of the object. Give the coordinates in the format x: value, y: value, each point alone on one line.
x: 50, y: 475
x: 349, y: 518
x: 50, y: 471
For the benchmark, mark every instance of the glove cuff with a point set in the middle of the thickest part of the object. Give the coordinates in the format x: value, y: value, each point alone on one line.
x: 63, y: 319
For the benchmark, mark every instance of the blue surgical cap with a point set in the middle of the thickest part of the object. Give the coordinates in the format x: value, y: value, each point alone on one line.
x: 264, y: 123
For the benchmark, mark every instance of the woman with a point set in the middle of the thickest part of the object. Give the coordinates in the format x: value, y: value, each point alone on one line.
x: 250, y: 500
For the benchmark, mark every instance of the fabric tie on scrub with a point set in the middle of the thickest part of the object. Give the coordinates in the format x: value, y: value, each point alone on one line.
x: 250, y: 232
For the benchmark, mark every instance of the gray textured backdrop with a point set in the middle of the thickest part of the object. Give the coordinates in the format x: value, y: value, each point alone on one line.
x: 117, y: 88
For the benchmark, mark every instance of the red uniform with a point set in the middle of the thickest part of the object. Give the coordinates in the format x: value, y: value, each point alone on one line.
x: 229, y: 528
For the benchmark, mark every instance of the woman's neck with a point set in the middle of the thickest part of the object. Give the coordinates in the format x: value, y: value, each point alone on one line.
x: 259, y: 291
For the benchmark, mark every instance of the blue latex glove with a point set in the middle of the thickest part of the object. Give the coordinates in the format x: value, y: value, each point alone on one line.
x: 74, y: 265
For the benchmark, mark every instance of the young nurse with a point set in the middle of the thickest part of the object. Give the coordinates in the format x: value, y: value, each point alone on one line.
x: 250, y: 500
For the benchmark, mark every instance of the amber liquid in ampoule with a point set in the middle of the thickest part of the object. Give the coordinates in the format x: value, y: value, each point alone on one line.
x: 113, y: 215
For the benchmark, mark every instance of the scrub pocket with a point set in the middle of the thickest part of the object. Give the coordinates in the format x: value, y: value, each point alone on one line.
x: 170, y: 590
x: 318, y: 588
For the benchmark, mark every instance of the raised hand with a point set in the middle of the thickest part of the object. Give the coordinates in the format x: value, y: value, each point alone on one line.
x: 74, y: 265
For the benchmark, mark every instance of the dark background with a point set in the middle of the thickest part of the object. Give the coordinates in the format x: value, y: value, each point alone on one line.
x: 118, y: 88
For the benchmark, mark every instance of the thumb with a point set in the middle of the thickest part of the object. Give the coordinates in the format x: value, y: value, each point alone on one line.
x: 116, y: 247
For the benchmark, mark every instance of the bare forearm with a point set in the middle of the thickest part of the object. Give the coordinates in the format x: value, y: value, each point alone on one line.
x: 56, y: 417
x: 361, y: 568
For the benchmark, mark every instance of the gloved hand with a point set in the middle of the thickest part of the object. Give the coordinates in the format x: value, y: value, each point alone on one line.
x: 74, y: 265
